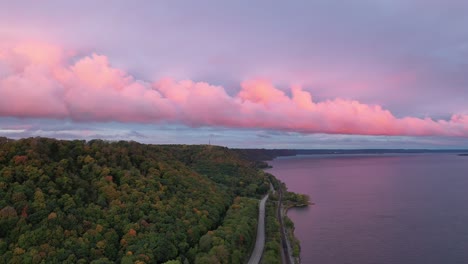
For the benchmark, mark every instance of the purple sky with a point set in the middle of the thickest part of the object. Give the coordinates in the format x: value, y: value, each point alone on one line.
x: 409, y: 57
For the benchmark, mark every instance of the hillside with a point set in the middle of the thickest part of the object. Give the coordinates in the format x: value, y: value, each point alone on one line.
x: 106, y: 202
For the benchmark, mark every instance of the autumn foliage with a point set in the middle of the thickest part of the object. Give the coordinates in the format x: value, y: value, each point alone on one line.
x: 125, y: 202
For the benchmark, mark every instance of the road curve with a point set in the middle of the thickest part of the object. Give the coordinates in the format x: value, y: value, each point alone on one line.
x: 260, y: 242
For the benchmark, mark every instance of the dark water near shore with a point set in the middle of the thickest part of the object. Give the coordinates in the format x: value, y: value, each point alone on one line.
x: 381, y: 209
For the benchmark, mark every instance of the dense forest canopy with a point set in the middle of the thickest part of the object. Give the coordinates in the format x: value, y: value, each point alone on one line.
x: 106, y: 202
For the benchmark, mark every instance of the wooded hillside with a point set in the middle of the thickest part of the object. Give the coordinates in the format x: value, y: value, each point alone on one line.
x: 103, y: 202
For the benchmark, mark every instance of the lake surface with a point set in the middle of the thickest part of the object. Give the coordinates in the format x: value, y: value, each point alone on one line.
x: 380, y: 209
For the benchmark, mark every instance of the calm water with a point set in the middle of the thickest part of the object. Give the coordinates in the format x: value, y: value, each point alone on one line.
x: 382, y: 209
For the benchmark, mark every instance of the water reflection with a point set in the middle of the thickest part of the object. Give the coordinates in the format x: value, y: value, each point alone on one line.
x: 380, y: 209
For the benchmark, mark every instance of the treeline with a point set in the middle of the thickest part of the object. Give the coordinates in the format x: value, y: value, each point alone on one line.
x: 289, y: 200
x: 224, y: 166
x: 260, y: 156
x: 296, y: 199
x: 236, y: 233
x: 272, y: 253
x: 103, y: 202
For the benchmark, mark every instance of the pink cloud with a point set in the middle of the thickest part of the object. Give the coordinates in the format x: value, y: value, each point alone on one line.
x: 261, y: 92
x: 40, y: 81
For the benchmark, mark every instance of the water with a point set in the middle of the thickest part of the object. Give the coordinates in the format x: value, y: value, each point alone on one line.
x: 380, y: 209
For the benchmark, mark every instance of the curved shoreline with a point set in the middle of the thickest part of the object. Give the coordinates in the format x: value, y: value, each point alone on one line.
x: 286, y: 234
x: 286, y: 255
x: 285, y: 214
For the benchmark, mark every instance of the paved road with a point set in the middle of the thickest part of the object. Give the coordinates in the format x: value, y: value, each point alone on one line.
x: 260, y: 242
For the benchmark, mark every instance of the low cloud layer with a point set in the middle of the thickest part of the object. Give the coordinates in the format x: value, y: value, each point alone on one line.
x: 39, y: 80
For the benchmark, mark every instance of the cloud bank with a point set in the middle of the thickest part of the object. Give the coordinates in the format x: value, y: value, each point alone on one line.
x: 39, y: 80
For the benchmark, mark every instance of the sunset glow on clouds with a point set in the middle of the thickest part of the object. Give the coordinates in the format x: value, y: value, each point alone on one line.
x: 315, y: 74
x: 40, y: 80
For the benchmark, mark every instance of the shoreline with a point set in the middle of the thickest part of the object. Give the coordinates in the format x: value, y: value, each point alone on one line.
x: 289, y: 235
x: 291, y: 200
x: 291, y: 247
x: 284, y: 174
x: 291, y: 231
x: 286, y: 254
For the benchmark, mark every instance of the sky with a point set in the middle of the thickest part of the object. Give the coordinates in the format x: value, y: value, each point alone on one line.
x: 265, y: 74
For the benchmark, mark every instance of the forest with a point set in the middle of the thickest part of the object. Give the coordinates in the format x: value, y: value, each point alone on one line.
x: 106, y: 202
